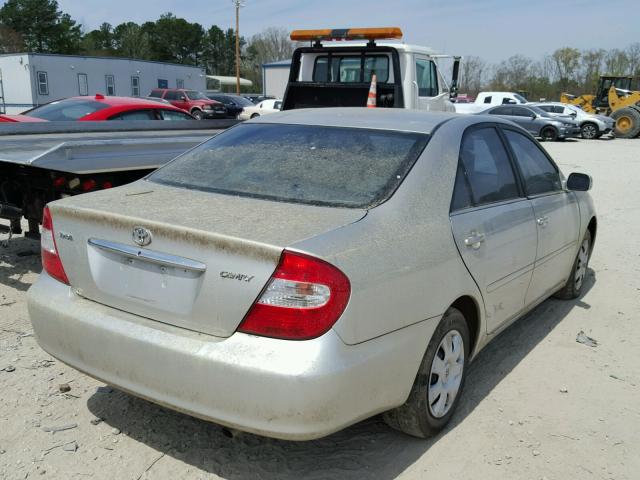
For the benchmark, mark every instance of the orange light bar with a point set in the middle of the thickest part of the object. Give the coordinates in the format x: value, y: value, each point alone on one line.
x: 346, y: 34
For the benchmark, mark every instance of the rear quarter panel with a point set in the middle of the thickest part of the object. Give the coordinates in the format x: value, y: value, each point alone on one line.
x: 401, y: 258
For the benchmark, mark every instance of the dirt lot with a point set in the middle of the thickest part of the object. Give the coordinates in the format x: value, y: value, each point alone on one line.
x: 537, y: 403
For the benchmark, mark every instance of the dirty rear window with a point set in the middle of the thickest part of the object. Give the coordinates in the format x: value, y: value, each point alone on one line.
x: 344, y: 167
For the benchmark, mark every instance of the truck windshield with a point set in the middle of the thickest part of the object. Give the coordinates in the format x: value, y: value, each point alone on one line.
x: 193, y: 95
x: 348, y: 68
x: 333, y: 166
x: 66, y: 110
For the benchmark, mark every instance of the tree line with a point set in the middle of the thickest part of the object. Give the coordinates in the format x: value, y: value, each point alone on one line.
x: 565, y: 70
x: 40, y: 26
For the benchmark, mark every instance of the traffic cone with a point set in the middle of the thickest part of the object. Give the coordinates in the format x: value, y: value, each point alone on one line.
x: 371, y: 100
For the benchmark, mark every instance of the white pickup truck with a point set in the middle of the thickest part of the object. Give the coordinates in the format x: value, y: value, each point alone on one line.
x: 337, y: 68
x: 486, y: 100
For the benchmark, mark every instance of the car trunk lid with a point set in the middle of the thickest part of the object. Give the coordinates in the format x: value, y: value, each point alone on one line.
x: 206, y: 259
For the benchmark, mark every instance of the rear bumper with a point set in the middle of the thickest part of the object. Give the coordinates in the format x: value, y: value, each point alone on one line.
x: 283, y: 389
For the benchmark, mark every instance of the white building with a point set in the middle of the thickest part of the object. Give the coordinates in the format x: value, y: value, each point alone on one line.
x: 275, y: 77
x: 31, y: 79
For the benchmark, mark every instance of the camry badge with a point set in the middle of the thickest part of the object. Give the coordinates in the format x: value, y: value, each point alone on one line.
x: 141, y: 236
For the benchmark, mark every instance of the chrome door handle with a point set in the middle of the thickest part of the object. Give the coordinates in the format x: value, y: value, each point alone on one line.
x: 474, y: 240
x: 542, y: 221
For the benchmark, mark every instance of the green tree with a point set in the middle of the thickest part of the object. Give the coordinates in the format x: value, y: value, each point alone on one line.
x: 10, y: 40
x: 174, y: 39
x: 43, y: 26
x: 131, y: 41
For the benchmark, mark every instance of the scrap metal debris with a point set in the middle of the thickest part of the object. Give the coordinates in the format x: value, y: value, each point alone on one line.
x: 586, y: 340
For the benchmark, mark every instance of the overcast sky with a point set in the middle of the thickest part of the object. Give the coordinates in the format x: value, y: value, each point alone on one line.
x: 492, y: 29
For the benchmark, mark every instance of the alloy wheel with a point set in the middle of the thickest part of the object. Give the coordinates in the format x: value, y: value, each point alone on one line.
x: 446, y: 374
x: 581, y: 266
x: 589, y: 131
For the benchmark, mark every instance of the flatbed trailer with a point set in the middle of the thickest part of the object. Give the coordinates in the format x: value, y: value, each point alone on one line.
x: 42, y: 162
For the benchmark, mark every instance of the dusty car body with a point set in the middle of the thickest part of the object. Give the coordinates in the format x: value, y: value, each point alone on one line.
x: 297, y: 302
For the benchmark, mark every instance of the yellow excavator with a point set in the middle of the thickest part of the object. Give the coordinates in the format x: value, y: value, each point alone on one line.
x: 618, y: 97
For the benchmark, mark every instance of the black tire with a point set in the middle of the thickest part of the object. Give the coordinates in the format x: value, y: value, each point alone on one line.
x: 197, y: 114
x: 549, y: 134
x: 255, y: 115
x: 627, y: 122
x: 415, y: 417
x: 590, y: 131
x: 575, y: 283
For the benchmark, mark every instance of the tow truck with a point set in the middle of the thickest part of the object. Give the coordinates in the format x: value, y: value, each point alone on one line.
x: 337, y: 68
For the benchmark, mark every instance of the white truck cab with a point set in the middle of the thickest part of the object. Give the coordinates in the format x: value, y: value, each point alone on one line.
x: 339, y: 73
x: 486, y: 100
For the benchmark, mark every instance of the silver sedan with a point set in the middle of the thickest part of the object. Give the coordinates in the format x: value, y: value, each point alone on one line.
x: 299, y: 273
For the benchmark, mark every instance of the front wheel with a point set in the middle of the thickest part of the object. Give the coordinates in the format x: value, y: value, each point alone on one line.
x: 549, y: 134
x: 255, y: 115
x: 438, y: 385
x: 197, y: 114
x: 573, y: 287
x: 589, y: 131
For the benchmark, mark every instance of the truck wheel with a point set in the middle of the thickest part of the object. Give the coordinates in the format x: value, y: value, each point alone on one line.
x: 549, y: 134
x: 627, y: 122
x: 255, y: 115
x: 573, y: 287
x: 197, y: 114
x: 589, y: 131
x: 438, y: 385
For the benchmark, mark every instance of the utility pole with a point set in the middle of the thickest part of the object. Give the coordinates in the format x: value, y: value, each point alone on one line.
x: 239, y: 4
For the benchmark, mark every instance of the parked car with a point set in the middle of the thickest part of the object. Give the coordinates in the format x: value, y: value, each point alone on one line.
x: 233, y: 103
x: 196, y: 103
x: 273, y: 292
x: 256, y: 98
x: 99, y: 108
x: 484, y: 100
x: 591, y: 125
x: 265, y: 107
x: 537, y: 122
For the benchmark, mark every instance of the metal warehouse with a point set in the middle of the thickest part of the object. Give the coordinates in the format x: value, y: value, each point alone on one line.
x: 31, y: 79
x: 275, y: 77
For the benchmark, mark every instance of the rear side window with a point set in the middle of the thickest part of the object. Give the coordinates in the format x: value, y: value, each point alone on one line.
x: 342, y: 167
x: 487, y: 99
x: 461, y: 193
x: 156, y: 93
x: 539, y: 174
x: 171, y: 95
x: 501, y: 111
x: 521, y: 112
x: 487, y: 167
x: 135, y: 115
x: 173, y: 115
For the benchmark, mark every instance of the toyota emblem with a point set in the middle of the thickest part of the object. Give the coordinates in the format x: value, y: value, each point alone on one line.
x: 141, y: 236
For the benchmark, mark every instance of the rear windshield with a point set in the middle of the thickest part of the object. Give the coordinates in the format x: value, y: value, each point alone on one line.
x: 343, y: 167
x: 69, y: 110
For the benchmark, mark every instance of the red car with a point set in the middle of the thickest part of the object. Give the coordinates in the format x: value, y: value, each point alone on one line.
x: 99, y: 108
x: 196, y: 103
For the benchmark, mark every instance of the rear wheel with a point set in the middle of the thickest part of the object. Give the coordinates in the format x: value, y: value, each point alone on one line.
x: 627, y: 122
x: 549, y: 134
x: 589, y: 131
x: 438, y: 385
x: 573, y: 287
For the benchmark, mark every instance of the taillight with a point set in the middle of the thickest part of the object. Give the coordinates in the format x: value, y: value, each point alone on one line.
x: 50, y: 259
x: 303, y: 299
x: 89, y: 184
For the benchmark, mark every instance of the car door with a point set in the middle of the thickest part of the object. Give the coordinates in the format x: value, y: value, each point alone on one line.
x: 526, y: 119
x: 426, y: 88
x: 556, y: 212
x: 493, y: 224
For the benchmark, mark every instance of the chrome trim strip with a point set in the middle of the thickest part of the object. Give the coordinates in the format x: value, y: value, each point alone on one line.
x: 150, y: 256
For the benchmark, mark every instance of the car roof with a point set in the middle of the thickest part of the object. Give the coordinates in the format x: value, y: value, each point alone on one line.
x: 360, y: 117
x: 121, y: 101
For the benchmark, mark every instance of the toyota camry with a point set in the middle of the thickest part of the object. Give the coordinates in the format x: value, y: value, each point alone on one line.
x: 305, y: 270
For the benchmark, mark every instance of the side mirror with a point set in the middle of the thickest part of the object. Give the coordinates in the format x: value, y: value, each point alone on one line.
x: 579, y: 182
x: 534, y: 115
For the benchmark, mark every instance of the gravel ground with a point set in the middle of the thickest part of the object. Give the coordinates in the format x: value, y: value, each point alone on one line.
x: 537, y: 404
